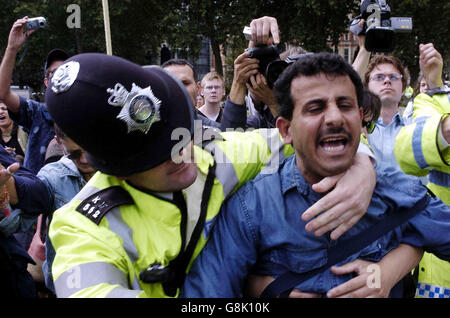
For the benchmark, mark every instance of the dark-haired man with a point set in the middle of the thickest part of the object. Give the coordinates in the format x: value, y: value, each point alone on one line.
x: 260, y: 231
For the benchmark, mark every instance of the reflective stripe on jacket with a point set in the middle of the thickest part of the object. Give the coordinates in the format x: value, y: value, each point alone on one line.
x: 417, y: 153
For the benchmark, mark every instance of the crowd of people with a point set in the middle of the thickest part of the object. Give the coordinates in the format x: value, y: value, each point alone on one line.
x: 294, y: 188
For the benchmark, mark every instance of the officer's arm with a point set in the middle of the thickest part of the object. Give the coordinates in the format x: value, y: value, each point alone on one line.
x: 420, y: 147
x: 429, y: 229
x: 90, y: 261
x: 222, y: 266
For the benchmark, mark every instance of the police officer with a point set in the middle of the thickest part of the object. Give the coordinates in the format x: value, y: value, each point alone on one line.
x: 422, y: 148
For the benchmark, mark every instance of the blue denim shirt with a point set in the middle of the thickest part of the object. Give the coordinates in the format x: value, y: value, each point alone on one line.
x: 260, y: 231
x: 63, y: 181
x: 36, y: 120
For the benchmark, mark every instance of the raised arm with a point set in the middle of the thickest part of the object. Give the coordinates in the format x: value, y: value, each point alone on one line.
x: 15, y: 41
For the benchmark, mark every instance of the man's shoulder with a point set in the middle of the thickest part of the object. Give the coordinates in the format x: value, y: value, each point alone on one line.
x: 60, y: 168
x: 401, y: 188
x: 28, y: 102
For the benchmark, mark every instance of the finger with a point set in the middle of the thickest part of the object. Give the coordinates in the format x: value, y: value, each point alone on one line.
x: 341, y: 229
x: 241, y: 57
x: 13, y: 168
x: 348, y: 289
x: 253, y: 28
x: 320, y: 206
x: 275, y: 32
x: 266, y: 32
x: 345, y: 268
x: 258, y: 79
x: 341, y: 218
x: 253, y: 81
x: 296, y: 293
x: 326, y: 184
x: 321, y: 222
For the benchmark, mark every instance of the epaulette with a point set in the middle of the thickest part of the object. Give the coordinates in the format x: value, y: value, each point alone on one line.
x: 97, y: 205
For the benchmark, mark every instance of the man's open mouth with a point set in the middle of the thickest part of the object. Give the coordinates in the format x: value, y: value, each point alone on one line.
x: 333, y: 144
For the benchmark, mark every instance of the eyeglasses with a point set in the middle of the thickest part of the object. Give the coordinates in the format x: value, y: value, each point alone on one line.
x: 74, y: 155
x: 210, y: 88
x: 370, y: 125
x: 381, y: 77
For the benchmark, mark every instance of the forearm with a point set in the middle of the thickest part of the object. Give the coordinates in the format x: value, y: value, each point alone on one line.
x: 361, y: 61
x: 237, y: 93
x: 399, y: 262
x: 6, y: 70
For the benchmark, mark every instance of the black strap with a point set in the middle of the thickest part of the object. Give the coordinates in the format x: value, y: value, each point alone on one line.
x: 181, y: 262
x: 284, y: 284
x: 24, y: 51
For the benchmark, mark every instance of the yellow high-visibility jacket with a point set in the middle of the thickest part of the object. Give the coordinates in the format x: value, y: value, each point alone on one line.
x: 104, y: 238
x: 418, y: 153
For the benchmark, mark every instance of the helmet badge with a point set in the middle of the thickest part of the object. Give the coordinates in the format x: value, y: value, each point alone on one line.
x: 140, y: 107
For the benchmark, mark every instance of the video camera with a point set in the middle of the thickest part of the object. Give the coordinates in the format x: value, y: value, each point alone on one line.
x: 379, y: 27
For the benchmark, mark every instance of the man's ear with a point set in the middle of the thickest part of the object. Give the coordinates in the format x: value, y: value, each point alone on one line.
x: 284, y: 126
x: 46, y: 82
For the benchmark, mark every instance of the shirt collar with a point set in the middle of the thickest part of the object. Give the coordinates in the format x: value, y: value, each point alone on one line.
x: 291, y: 177
x: 397, y: 119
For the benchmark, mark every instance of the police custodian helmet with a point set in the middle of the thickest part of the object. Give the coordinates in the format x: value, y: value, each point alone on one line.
x: 121, y: 114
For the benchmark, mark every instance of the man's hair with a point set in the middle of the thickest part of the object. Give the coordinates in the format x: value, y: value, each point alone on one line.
x: 309, y: 65
x: 212, y: 76
x: 180, y: 62
x: 371, y: 105
x: 386, y: 59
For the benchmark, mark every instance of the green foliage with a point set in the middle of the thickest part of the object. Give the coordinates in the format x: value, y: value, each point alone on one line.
x: 138, y: 27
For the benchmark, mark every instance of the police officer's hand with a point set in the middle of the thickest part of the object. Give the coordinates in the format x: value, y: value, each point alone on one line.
x: 367, y: 283
x: 264, y: 31
x: 431, y: 64
x: 376, y: 279
x: 344, y: 205
x: 17, y: 36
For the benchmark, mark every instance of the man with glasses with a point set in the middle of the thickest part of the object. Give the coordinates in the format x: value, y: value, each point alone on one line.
x: 213, y: 90
x: 33, y: 116
x: 386, y: 78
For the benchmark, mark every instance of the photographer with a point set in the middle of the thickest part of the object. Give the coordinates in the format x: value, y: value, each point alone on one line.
x: 260, y: 100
